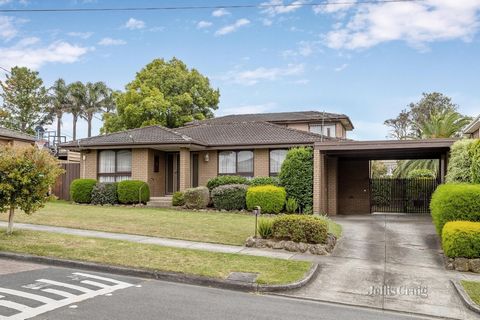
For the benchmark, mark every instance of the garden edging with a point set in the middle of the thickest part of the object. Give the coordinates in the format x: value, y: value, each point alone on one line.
x: 164, y: 275
x: 465, y: 297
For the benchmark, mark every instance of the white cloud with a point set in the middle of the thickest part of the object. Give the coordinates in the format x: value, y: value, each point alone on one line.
x: 247, y: 109
x: 276, y: 7
x: 220, y: 12
x: 341, y: 68
x: 304, y: 49
x: 335, y: 7
x: 267, y: 22
x: 232, y: 27
x: 82, y: 35
x: 7, y: 28
x: 30, y: 53
x: 204, y: 24
x: 251, y: 77
x: 111, y: 42
x: 301, y: 81
x: 4, y: 2
x: 417, y: 23
x: 134, y: 24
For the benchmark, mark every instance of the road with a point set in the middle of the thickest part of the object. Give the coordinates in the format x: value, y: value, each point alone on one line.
x: 29, y: 291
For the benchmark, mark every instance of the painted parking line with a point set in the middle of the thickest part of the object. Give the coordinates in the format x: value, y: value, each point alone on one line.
x: 67, y: 298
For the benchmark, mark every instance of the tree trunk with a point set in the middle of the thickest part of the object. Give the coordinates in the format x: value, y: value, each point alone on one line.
x: 59, y: 127
x: 89, y: 119
x: 75, y: 119
x: 10, y: 220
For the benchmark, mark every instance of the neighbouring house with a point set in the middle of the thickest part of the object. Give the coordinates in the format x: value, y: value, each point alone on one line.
x: 15, y: 138
x: 250, y: 145
x: 473, y: 129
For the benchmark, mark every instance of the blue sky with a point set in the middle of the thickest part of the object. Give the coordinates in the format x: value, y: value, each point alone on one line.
x: 367, y: 61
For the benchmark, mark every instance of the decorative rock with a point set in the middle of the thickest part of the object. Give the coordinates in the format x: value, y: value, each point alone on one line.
x: 291, y: 246
x: 302, y: 247
x: 461, y: 264
x: 278, y: 244
x: 318, y: 249
x: 474, y: 265
x: 270, y: 244
x: 261, y: 243
x: 250, y: 242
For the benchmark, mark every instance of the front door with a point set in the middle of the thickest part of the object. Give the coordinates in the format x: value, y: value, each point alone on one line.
x: 172, y: 168
x: 194, y: 170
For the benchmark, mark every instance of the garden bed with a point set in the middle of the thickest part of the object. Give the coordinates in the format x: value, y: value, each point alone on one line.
x: 318, y: 249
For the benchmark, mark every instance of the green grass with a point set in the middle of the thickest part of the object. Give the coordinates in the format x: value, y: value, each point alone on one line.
x: 473, y: 290
x: 153, y: 257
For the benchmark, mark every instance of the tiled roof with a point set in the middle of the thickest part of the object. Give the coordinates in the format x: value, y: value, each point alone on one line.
x: 277, y: 117
x: 12, y: 134
x: 144, y: 136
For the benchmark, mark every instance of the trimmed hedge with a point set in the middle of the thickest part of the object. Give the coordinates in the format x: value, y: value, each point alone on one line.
x: 229, y: 197
x: 81, y: 190
x: 300, y: 228
x: 178, y: 199
x: 461, y: 239
x: 451, y: 202
x: 223, y: 180
x: 460, y: 163
x: 474, y: 152
x: 421, y: 173
x: 265, y: 181
x: 271, y: 199
x: 105, y: 193
x: 196, y: 198
x: 133, y: 191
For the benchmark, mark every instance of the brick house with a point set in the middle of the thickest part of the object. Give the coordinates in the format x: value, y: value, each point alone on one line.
x: 252, y: 145
x: 15, y: 138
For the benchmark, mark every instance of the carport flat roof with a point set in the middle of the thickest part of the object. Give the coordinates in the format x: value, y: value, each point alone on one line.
x: 387, y: 149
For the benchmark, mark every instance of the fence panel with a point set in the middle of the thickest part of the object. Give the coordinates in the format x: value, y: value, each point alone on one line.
x: 62, y: 185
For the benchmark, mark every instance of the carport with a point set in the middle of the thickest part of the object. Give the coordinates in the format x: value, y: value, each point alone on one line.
x: 342, y: 169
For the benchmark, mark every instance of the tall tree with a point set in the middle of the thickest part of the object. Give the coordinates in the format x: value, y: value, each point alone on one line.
x: 24, y: 101
x: 400, y: 126
x: 166, y: 93
x: 97, y: 97
x: 77, y: 92
x: 60, y: 102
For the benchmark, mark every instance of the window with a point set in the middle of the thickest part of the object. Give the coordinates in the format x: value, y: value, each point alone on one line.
x: 235, y: 163
x: 276, y: 160
x: 328, y: 129
x: 114, y: 166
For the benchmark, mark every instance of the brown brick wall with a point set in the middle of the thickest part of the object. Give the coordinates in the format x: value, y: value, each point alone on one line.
x: 140, y: 167
x: 207, y: 170
x: 317, y: 206
x: 88, y: 164
x: 353, y: 187
x: 332, y: 186
x: 340, y: 131
x: 261, y: 163
x: 184, y: 169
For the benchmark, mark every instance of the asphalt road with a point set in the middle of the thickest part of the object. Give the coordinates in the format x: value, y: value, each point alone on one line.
x: 42, y: 292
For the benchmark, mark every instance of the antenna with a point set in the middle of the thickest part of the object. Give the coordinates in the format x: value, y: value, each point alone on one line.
x: 323, y: 124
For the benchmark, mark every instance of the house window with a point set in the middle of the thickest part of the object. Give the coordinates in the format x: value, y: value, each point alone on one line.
x: 276, y: 160
x: 114, y: 166
x: 235, y: 163
x: 327, y: 129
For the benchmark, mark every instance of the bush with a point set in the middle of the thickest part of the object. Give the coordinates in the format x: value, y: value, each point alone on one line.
x: 197, y: 198
x: 459, y: 164
x: 229, y: 197
x: 271, y: 199
x: 133, y: 191
x: 421, y: 173
x: 265, y: 228
x: 296, y: 175
x: 300, y: 228
x: 104, y: 193
x: 451, y: 202
x: 265, y: 181
x: 223, y: 180
x: 81, y: 190
x: 178, y: 199
x: 461, y: 239
x: 474, y: 152
x: 291, y: 205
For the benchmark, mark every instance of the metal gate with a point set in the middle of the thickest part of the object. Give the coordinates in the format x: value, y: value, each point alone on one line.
x: 402, y: 195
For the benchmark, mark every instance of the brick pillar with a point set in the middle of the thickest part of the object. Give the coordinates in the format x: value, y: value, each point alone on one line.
x: 184, y: 170
x: 316, y: 182
x: 332, y: 181
x: 261, y: 165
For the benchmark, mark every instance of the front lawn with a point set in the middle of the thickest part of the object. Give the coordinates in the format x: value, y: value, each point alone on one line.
x: 217, y: 227
x: 128, y: 254
x: 473, y: 290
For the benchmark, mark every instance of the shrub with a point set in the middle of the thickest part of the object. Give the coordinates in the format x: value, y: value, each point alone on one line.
x: 459, y: 164
x: 133, y: 191
x: 296, y: 175
x: 300, y: 228
x: 474, y: 152
x: 265, y: 228
x: 264, y: 181
x: 229, y: 197
x: 223, y: 180
x: 81, y: 190
x: 178, y: 199
x: 197, y: 198
x: 104, y: 193
x: 291, y: 205
x: 271, y: 199
x: 461, y: 239
x: 421, y: 173
x: 452, y: 202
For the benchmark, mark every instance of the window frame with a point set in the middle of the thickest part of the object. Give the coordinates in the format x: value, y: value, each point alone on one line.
x: 270, y: 162
x: 242, y: 174
x: 115, y: 174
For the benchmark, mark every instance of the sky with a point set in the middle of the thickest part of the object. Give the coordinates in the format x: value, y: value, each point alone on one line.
x: 368, y: 61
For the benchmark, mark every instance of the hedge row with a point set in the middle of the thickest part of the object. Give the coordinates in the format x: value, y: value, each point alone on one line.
x: 461, y: 239
x: 125, y: 192
x: 298, y: 228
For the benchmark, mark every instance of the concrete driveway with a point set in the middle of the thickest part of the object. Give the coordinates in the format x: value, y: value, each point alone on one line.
x: 400, y: 255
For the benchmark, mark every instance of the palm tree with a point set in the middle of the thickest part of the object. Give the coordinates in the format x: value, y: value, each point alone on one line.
x: 97, y: 97
x: 59, y: 103
x: 77, y: 93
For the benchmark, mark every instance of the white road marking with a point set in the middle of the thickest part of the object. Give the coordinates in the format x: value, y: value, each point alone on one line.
x: 27, y: 312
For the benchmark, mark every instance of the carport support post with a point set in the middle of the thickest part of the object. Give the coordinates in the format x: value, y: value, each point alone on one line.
x: 319, y: 183
x: 184, y: 169
x: 442, y: 166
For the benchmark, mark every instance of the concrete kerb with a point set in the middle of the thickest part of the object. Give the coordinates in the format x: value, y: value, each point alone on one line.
x: 164, y: 275
x: 465, y: 297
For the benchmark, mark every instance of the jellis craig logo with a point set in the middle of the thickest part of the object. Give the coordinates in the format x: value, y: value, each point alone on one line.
x: 420, y: 291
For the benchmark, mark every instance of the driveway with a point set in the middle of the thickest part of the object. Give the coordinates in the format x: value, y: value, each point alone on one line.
x: 399, y: 254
